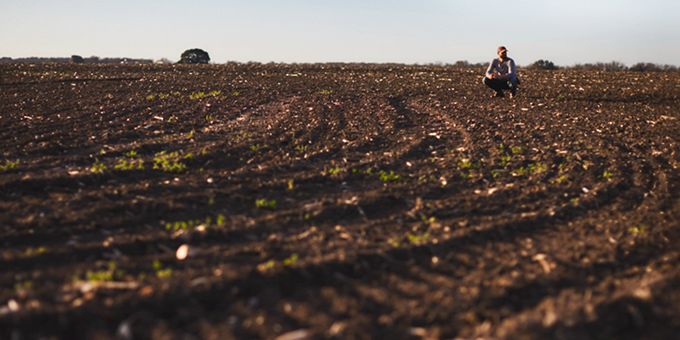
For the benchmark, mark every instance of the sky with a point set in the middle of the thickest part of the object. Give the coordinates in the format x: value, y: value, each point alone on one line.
x: 418, y: 31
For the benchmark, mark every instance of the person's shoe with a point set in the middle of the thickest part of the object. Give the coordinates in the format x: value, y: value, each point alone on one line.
x: 513, y: 92
x: 498, y: 94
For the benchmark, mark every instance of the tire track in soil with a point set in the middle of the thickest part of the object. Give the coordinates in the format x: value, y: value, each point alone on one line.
x: 488, y: 280
x: 563, y: 233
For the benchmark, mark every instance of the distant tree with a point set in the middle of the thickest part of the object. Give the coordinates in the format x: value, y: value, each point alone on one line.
x: 612, y: 66
x: 194, y: 56
x: 543, y: 65
x: 462, y: 63
x: 76, y: 59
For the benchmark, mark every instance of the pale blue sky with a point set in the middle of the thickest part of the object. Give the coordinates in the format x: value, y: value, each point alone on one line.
x: 425, y: 31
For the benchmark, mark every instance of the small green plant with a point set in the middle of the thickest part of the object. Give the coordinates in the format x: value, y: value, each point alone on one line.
x: 637, y: 230
x: 418, y: 239
x: 98, y: 167
x: 607, y: 175
x: 521, y: 171
x: 368, y: 171
x: 291, y: 260
x: 334, y: 171
x: 255, y: 147
x: 395, y: 242
x: 464, y: 163
x: 301, y: 148
x: 34, y: 251
x: 428, y: 220
x: 263, y: 203
x: 160, y: 271
x: 537, y: 168
x: 516, y: 150
x: 201, y: 94
x: 23, y: 286
x: 266, y: 266
x: 170, y: 161
x: 191, y: 224
x: 151, y: 97
x: 505, y: 160
x: 129, y: 164
x: 197, y: 95
x: 326, y: 92
x: 496, y: 173
x: 109, y: 274
x: 235, y: 93
x: 388, y: 176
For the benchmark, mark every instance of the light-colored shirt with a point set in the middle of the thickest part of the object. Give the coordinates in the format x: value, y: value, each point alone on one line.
x: 504, y: 68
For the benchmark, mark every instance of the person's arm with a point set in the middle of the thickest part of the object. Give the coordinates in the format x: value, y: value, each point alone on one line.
x: 511, y: 70
x: 490, y: 69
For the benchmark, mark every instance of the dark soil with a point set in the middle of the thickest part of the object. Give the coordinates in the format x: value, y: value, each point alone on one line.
x: 348, y: 201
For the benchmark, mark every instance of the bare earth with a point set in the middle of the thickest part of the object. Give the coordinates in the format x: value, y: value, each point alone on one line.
x: 337, y: 201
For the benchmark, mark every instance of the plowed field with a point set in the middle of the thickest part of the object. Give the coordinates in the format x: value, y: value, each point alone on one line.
x: 345, y: 201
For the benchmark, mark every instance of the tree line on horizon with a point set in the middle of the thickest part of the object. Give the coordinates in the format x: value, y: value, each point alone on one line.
x: 199, y: 56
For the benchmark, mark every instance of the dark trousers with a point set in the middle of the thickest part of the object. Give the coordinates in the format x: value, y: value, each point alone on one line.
x: 499, y: 85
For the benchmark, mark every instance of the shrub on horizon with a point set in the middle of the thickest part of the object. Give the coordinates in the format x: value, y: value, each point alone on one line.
x: 194, y: 56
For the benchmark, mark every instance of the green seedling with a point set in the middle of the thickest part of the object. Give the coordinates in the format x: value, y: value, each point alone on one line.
x: 388, y: 176
x: 235, y: 93
x: 516, y: 150
x: 24, y: 286
x: 368, y: 171
x: 160, y: 271
x: 334, y: 171
x: 537, y: 168
x: 291, y: 260
x: 428, y: 220
x: 521, y: 171
x: 197, y: 95
x: 170, y: 161
x: 607, y: 175
x: 465, y: 163
x: 301, y: 148
x: 31, y: 251
x: 505, y: 160
x: 418, y: 239
x: 8, y: 165
x: 191, y: 224
x: 255, y: 147
x: 109, y: 274
x: 394, y: 242
x: 263, y: 203
x: 266, y: 266
x: 98, y: 167
x: 326, y: 92
x: 129, y: 164
x: 496, y: 173
x: 637, y: 230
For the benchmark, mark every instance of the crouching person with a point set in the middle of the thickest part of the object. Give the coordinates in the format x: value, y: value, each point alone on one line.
x: 502, y: 74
